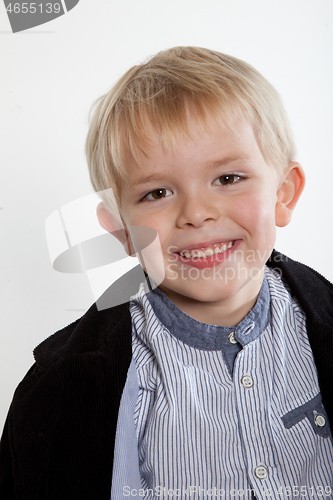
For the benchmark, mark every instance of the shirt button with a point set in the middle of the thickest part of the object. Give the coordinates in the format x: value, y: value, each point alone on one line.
x: 261, y: 472
x: 247, y: 382
x: 232, y: 338
x: 320, y: 421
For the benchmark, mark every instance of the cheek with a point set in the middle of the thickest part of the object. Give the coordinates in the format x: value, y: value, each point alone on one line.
x: 256, y: 214
x: 158, y: 223
x: 256, y: 211
x: 162, y: 223
x: 137, y: 217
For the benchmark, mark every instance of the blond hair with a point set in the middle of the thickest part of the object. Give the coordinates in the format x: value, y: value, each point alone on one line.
x: 161, y: 92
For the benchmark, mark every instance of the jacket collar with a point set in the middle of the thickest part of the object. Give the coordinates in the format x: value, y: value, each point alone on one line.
x: 313, y: 291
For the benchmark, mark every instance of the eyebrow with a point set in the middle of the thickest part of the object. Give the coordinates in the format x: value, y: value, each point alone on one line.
x: 225, y: 161
x: 210, y: 165
x: 145, y: 179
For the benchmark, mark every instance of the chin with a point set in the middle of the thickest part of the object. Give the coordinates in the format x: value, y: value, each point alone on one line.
x: 204, y: 293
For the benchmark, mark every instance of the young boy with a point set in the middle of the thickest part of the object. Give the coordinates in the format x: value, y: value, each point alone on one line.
x: 216, y: 383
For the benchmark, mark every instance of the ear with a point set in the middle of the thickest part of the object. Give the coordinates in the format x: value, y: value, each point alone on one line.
x: 288, y: 193
x: 111, y: 224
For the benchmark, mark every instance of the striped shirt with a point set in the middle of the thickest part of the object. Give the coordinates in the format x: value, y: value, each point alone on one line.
x: 228, y: 412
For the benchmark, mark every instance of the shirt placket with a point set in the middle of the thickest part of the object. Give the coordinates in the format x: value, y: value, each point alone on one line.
x: 251, y: 397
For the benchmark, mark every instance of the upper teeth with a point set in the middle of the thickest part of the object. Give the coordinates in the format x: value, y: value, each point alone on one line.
x: 208, y: 252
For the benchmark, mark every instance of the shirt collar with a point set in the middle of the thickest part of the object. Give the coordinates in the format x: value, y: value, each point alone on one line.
x: 206, y: 336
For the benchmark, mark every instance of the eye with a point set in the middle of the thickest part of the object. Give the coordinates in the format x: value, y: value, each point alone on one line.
x: 228, y: 179
x: 157, y: 194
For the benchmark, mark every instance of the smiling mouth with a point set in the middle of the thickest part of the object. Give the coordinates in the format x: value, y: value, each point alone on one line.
x: 209, y: 251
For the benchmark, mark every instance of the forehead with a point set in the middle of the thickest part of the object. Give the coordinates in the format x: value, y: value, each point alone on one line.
x: 205, y: 145
x: 140, y: 130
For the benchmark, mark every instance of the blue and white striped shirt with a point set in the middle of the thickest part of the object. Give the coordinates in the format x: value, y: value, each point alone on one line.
x: 226, y: 412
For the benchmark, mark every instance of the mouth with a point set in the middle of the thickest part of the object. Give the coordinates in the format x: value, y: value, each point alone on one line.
x: 211, y: 255
x: 206, y: 252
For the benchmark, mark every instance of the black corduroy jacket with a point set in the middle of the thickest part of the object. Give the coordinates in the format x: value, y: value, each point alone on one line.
x: 58, y: 440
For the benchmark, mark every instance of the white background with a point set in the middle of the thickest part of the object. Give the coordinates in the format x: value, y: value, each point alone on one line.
x: 51, y: 74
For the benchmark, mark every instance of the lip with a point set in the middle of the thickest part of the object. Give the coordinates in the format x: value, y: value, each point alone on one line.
x: 203, y: 262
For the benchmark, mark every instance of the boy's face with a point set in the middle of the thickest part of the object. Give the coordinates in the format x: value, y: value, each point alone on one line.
x: 213, y: 204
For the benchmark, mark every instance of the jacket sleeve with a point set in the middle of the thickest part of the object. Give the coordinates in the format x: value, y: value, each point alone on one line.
x: 6, y: 466
x: 58, y: 441
x: 59, y: 435
x: 7, y: 483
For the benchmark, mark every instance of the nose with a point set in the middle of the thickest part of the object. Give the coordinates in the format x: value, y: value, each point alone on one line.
x: 196, y: 210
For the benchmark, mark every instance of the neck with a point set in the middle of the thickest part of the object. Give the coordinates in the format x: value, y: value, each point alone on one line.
x: 227, y: 312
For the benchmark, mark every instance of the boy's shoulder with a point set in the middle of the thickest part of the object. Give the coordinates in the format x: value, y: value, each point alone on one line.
x: 79, y: 358
x: 82, y: 360
x: 103, y: 329
x: 96, y: 332
x: 314, y: 293
x: 312, y: 290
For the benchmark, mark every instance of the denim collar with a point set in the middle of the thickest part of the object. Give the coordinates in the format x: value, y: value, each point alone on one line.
x: 211, y: 337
